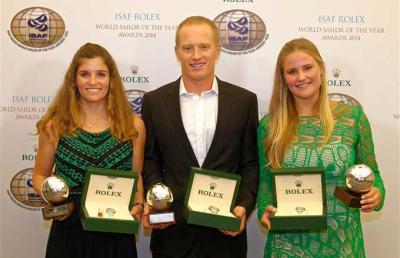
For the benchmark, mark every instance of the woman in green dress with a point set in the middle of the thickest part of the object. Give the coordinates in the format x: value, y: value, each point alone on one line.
x: 306, y: 129
x: 89, y: 124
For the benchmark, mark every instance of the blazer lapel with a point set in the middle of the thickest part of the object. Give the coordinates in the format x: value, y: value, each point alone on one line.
x: 224, y: 110
x: 174, y: 111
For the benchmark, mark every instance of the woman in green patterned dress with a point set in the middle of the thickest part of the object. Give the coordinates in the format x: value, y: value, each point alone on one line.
x: 305, y: 129
x: 89, y: 124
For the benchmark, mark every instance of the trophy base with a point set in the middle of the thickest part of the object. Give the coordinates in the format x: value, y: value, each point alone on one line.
x: 52, y: 212
x: 161, y: 217
x: 350, y: 199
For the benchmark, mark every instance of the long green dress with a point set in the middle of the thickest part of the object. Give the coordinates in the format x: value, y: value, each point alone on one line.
x: 74, y: 154
x: 350, y: 143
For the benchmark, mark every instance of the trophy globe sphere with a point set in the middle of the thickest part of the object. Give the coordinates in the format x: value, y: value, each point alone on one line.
x: 159, y: 197
x: 54, y: 190
x: 359, y: 178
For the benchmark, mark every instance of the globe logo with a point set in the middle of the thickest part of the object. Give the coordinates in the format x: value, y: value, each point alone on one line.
x: 135, y: 98
x: 37, y: 27
x: 241, y: 31
x: 340, y: 97
x: 22, y: 189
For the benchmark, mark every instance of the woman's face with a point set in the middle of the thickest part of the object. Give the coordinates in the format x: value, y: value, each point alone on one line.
x: 302, y: 75
x: 93, y: 80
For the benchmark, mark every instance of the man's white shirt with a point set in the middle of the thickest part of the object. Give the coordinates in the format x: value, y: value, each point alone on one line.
x: 199, y: 117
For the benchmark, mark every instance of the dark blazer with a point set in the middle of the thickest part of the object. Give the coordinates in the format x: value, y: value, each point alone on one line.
x: 169, y: 156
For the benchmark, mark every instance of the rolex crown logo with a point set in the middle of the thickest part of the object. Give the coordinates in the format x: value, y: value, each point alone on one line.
x: 35, y: 147
x: 110, y: 186
x: 336, y: 72
x: 134, y: 69
x: 212, y: 186
x: 298, y: 183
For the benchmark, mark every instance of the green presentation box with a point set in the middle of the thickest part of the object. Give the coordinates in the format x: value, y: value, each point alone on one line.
x: 299, y: 195
x: 210, y: 199
x: 107, y: 198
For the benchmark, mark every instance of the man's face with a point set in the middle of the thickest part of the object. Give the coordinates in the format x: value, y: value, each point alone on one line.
x: 197, y: 51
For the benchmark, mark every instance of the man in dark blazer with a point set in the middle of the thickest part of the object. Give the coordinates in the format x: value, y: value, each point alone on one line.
x: 199, y: 121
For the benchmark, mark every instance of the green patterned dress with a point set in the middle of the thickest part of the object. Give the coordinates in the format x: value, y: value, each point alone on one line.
x: 350, y: 143
x: 74, y: 154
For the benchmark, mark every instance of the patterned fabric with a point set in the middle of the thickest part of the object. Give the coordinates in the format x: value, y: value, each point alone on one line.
x: 73, y: 155
x: 350, y: 143
x: 78, y: 152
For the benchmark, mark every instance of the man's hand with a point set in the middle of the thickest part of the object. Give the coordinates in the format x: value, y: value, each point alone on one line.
x: 239, y: 212
x: 146, y: 222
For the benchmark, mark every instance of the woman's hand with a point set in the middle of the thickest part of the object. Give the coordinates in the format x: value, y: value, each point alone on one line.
x: 370, y: 200
x: 146, y: 220
x: 137, y: 210
x: 269, y: 211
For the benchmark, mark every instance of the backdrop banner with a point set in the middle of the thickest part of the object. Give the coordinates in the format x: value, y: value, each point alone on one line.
x: 357, y: 39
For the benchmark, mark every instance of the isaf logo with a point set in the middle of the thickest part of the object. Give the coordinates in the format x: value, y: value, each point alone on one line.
x: 241, y: 31
x: 241, y: 27
x: 135, y: 98
x: 344, y: 98
x: 22, y: 192
x: 37, y: 29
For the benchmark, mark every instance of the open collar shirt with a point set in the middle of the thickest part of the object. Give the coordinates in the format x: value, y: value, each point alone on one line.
x: 199, y: 117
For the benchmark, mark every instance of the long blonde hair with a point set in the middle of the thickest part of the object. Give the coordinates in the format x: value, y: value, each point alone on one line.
x: 65, y: 113
x: 282, y: 109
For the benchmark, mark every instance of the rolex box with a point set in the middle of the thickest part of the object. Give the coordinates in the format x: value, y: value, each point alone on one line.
x: 300, y: 198
x: 210, y: 199
x: 107, y: 198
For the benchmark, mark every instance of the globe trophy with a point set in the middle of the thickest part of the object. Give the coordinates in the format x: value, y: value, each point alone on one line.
x: 55, y: 192
x: 359, y: 179
x: 160, y: 198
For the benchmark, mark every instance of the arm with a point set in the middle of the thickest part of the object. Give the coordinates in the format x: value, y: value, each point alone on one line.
x: 264, y: 194
x: 374, y: 199
x: 45, y: 156
x: 138, y: 156
x: 152, y: 157
x: 248, y: 170
x: 152, y: 162
x: 248, y: 166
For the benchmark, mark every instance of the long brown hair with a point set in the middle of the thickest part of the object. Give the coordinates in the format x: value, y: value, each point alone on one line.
x: 282, y: 109
x: 65, y: 113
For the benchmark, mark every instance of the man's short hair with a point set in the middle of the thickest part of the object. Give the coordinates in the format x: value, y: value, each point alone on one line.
x: 198, y: 20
